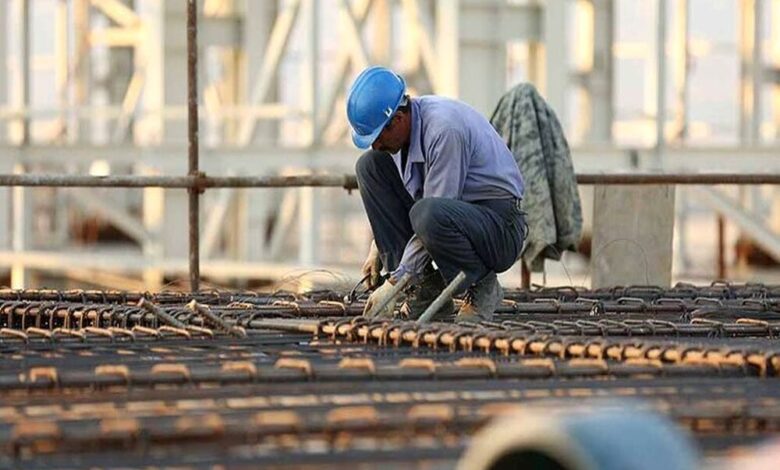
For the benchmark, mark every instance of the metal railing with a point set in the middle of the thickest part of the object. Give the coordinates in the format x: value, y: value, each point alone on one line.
x: 200, y: 181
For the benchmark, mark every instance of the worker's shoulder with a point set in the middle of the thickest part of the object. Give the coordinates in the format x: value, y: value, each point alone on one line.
x: 445, y: 114
x: 440, y: 104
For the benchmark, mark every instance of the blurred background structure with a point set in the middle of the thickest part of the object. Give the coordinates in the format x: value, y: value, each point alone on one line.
x: 99, y: 87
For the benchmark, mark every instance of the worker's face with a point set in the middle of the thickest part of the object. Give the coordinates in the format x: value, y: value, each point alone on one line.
x: 395, y: 134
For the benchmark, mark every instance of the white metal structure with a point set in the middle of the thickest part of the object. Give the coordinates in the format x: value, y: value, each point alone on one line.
x: 99, y: 86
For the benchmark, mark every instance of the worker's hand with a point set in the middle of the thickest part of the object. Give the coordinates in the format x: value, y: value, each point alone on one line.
x: 379, y: 296
x: 372, y: 267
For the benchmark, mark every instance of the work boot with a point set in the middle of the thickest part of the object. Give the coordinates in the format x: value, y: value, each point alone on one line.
x: 421, y: 295
x: 481, y: 300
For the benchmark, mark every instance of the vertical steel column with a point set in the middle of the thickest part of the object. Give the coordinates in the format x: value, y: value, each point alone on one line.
x: 381, y: 32
x: 80, y: 127
x: 5, y: 9
x: 681, y: 30
x: 758, y: 72
x: 6, y: 164
x: 192, y: 121
x: 660, y: 117
x: 751, y: 61
x: 24, y: 63
x: 447, y: 45
x: 62, y: 48
x: 774, y: 51
x: 313, y: 51
x: 21, y: 208
x: 308, y: 205
x: 556, y: 55
x: 601, y: 76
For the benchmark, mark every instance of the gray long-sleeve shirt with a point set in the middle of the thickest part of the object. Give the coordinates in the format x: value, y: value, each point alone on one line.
x: 455, y: 153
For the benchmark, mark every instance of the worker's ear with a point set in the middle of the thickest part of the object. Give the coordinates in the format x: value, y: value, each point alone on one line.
x: 394, y: 120
x: 401, y: 115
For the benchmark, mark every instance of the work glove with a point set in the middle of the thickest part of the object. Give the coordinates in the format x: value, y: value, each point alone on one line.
x: 372, y: 267
x: 379, y: 296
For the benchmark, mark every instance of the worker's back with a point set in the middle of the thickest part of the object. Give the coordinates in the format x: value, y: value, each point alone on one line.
x: 492, y: 170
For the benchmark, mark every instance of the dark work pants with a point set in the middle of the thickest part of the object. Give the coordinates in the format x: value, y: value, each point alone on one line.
x: 474, y: 237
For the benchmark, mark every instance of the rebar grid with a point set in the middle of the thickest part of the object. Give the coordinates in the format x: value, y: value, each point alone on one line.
x: 341, y: 421
x: 250, y: 378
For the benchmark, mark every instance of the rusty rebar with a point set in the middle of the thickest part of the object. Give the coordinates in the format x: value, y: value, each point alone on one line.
x: 193, y: 138
x: 443, y: 297
x: 206, y: 312
x: 163, y: 316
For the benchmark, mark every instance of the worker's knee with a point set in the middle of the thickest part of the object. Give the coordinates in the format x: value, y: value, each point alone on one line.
x: 372, y: 164
x: 429, y: 217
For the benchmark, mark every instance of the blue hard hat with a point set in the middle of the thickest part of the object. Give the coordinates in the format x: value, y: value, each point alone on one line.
x: 372, y: 100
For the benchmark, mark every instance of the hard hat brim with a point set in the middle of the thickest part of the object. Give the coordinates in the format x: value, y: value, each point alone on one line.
x: 365, y: 141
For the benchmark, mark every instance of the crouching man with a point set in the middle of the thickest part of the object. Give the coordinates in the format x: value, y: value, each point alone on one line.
x: 438, y: 184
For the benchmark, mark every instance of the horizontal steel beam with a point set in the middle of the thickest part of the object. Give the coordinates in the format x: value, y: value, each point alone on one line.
x: 349, y: 182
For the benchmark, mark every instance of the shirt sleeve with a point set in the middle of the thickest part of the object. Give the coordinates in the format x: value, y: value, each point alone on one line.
x: 446, y: 166
x: 413, y: 260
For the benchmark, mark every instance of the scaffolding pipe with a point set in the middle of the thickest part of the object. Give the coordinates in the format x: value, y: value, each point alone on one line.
x: 192, y: 131
x: 198, y: 182
x: 201, y: 182
x: 676, y: 178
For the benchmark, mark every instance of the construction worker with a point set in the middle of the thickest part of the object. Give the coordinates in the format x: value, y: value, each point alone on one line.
x: 438, y: 184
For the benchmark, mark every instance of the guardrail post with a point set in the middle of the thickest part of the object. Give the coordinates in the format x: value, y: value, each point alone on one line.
x: 192, y: 118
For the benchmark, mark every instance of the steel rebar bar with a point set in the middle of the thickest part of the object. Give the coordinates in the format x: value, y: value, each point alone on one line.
x: 445, y: 295
x: 193, y: 138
